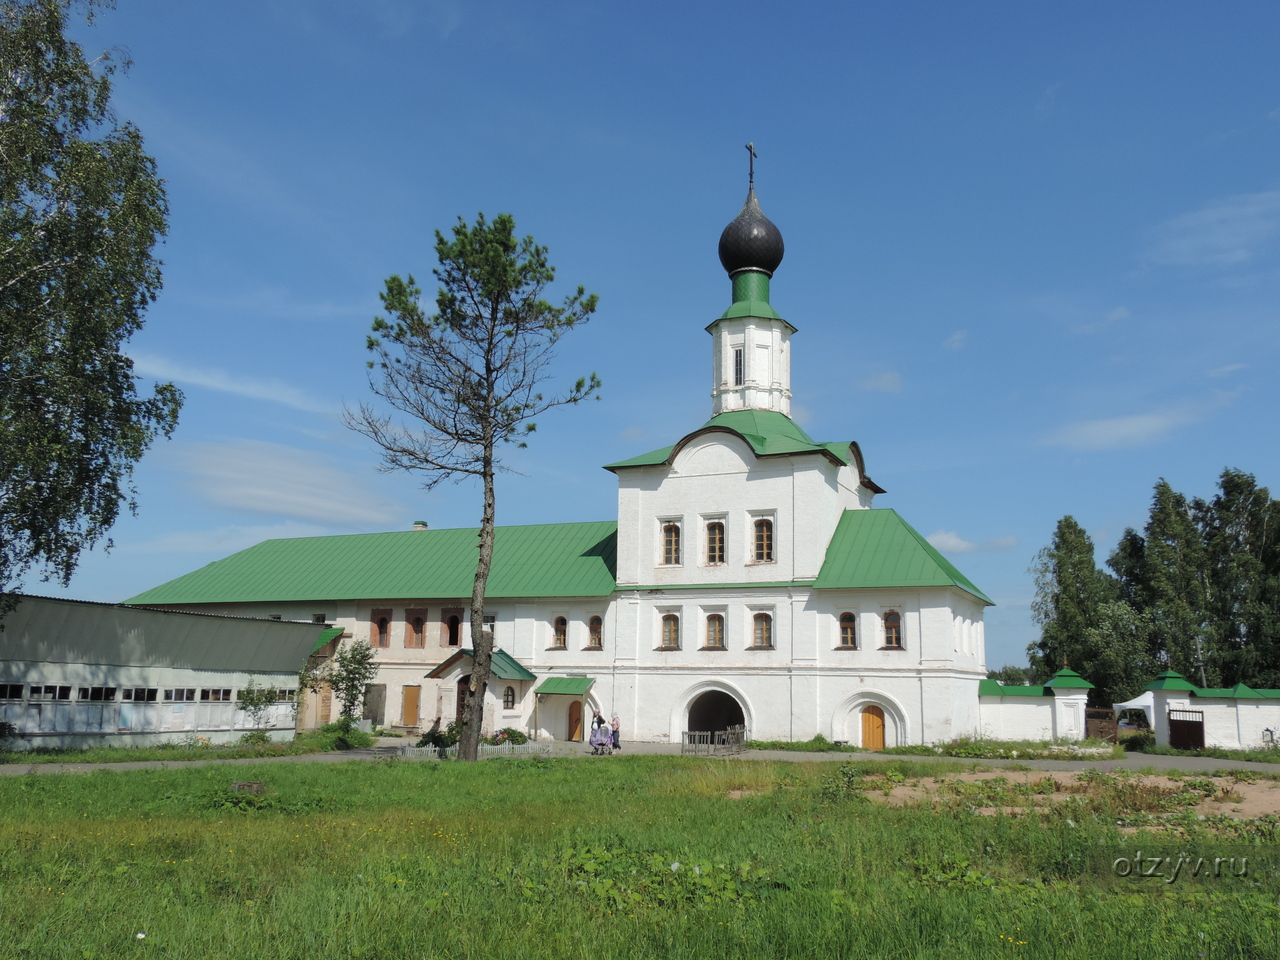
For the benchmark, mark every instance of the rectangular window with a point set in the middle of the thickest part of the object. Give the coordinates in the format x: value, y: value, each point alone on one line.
x: 98, y: 694
x: 139, y: 694
x: 180, y: 696
x: 671, y: 632
x: 49, y: 691
x: 763, y: 546
x: 215, y: 695
x: 737, y: 367
x: 595, y: 638
x: 715, y: 632
x: 670, y: 544
x: 285, y: 696
x: 715, y: 542
x: 11, y: 691
x: 762, y: 632
x: 560, y: 635
x: 319, y: 618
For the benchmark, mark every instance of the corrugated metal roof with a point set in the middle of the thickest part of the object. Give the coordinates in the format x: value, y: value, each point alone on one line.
x: 54, y: 630
x: 877, y: 548
x: 566, y: 686
x: 546, y: 560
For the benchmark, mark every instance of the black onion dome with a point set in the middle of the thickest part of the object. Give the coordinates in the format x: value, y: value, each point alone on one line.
x: 751, y: 241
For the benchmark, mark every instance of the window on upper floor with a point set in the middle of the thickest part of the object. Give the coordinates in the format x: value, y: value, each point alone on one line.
x: 715, y: 542
x: 98, y: 694
x: 715, y: 631
x: 454, y: 627
x: 763, y: 546
x: 560, y: 634
x: 380, y: 628
x: 415, y: 635
x: 11, y: 691
x: 848, y: 631
x: 670, y: 631
x: 762, y: 631
x: 893, y: 630
x: 738, y: 371
x: 179, y: 696
x: 670, y: 544
x: 595, y: 636
x: 49, y: 691
x: 215, y: 695
x: 139, y: 694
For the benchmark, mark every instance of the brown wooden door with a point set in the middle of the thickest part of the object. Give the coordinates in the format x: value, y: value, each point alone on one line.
x: 409, y: 706
x: 463, y: 684
x: 872, y: 728
x: 575, y: 720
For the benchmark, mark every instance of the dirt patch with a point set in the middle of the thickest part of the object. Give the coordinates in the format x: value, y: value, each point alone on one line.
x: 1021, y: 793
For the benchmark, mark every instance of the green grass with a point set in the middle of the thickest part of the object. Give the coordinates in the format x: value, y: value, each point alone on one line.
x: 315, y: 741
x: 1146, y: 743
x: 543, y: 858
x: 975, y: 748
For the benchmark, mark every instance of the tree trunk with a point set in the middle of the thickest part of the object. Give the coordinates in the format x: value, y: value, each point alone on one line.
x: 481, y: 639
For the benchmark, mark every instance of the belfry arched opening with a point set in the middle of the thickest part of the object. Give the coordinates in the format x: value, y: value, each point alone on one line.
x: 715, y: 711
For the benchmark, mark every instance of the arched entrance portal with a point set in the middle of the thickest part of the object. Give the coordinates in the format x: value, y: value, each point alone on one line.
x: 715, y: 711
x: 872, y: 728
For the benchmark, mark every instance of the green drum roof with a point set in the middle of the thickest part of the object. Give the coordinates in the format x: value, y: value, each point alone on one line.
x: 769, y: 433
x: 877, y: 548
x: 547, y: 560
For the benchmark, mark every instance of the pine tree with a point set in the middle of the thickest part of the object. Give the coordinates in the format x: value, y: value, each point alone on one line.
x: 1174, y: 580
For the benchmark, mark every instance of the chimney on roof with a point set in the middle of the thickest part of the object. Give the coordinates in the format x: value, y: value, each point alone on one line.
x: 419, y: 524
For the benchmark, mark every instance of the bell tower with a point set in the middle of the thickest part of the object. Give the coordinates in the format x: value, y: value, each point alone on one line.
x: 751, y: 354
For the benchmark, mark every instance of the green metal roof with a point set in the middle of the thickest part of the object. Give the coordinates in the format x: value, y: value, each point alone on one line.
x: 547, y: 560
x: 877, y: 548
x: 503, y: 665
x: 568, y: 686
x: 1068, y: 679
x: 994, y: 688
x: 769, y: 434
x: 1170, y: 680
x: 331, y: 634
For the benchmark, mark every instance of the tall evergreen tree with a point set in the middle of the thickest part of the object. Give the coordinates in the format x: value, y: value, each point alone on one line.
x: 1070, y: 592
x: 1174, y: 580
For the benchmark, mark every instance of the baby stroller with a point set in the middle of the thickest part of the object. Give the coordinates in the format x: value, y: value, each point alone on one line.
x: 601, y: 740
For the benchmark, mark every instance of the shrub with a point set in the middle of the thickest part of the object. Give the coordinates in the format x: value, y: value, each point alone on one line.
x: 507, y: 735
x: 257, y: 737
x: 435, y: 737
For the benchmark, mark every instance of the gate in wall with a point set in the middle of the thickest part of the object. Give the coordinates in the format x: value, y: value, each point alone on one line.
x: 1186, y: 729
x: 1100, y: 724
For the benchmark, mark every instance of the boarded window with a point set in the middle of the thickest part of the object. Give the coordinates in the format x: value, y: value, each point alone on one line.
x: 415, y: 628
x: 380, y: 628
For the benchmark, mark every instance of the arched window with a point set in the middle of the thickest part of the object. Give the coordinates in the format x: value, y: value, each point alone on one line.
x: 596, y: 636
x: 762, y: 636
x: 848, y: 631
x: 671, y: 544
x: 670, y: 632
x: 560, y: 638
x: 417, y: 636
x: 893, y: 630
x: 455, y: 631
x: 715, y: 631
x: 764, y: 540
x: 509, y: 698
x: 384, y: 633
x: 715, y: 542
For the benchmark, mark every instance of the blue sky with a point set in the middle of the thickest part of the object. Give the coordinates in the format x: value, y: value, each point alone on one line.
x: 1033, y: 250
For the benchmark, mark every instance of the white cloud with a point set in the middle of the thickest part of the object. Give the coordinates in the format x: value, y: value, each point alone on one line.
x: 634, y: 433
x: 801, y: 414
x: 948, y: 541
x: 255, y: 388
x: 1228, y: 369
x: 888, y: 382
x: 1132, y: 430
x: 1224, y: 233
x: 226, y: 540
x: 1118, y: 313
x: 957, y: 340
x: 276, y: 479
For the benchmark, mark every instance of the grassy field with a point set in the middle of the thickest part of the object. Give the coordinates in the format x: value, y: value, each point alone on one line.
x: 632, y: 857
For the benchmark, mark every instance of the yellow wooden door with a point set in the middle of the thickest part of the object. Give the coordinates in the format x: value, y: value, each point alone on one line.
x: 409, y: 706
x: 575, y: 720
x: 872, y: 728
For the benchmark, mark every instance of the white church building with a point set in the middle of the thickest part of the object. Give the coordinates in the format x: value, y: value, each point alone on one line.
x: 748, y: 579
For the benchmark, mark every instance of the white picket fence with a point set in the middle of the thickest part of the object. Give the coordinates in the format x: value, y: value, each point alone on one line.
x: 486, y: 750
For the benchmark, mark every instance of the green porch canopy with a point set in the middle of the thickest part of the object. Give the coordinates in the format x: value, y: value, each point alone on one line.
x: 566, y: 686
